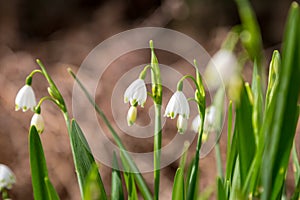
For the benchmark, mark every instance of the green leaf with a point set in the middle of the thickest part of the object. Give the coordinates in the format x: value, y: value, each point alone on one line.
x: 257, y: 114
x: 42, y: 187
x: 92, y: 187
x: 116, y: 182
x: 51, y: 190
x: 273, y: 77
x: 83, y: 159
x: 221, y: 190
x: 130, y: 185
x: 178, y: 187
x: 281, y: 124
x: 245, y: 134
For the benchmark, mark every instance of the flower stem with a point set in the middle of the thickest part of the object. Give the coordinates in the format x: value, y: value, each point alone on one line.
x: 157, y: 149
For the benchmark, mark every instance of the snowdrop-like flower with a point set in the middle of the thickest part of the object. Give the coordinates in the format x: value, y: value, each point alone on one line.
x: 38, y: 121
x: 25, y: 98
x: 136, y: 93
x: 220, y: 69
x: 178, y: 104
x: 7, y: 177
x: 209, y: 123
x: 181, y: 124
x: 131, y: 115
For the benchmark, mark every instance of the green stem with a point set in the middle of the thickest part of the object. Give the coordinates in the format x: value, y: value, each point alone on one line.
x: 157, y: 150
x: 219, y: 160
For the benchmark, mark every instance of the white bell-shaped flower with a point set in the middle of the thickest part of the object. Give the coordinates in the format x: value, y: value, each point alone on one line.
x: 25, y: 98
x: 222, y: 67
x: 131, y: 115
x: 197, y: 124
x: 136, y: 93
x: 7, y: 177
x: 178, y: 104
x: 38, y: 121
x: 181, y: 124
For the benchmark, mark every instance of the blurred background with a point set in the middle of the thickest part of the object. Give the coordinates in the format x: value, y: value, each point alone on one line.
x: 62, y: 33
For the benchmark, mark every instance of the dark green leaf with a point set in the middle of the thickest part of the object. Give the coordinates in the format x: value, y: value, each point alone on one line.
x: 178, y: 187
x: 92, y: 187
x: 83, y: 159
x: 42, y: 187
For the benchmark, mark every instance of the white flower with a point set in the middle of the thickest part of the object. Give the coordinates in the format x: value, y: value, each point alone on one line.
x: 38, y: 121
x: 7, y: 177
x: 220, y: 69
x: 196, y: 124
x: 25, y: 98
x: 178, y: 104
x: 210, y: 119
x: 209, y: 123
x: 136, y: 93
x: 131, y: 115
x: 181, y: 124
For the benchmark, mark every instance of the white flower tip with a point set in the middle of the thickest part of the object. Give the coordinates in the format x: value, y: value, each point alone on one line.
x: 25, y: 99
x: 181, y: 124
x: 38, y: 121
x: 131, y: 115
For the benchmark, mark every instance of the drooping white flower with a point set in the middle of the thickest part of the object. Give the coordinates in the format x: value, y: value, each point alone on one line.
x: 197, y: 124
x: 131, y: 115
x: 209, y: 123
x: 25, y: 98
x: 210, y: 119
x: 178, y: 104
x: 7, y: 177
x: 38, y: 121
x: 181, y: 124
x: 136, y: 93
x: 220, y: 69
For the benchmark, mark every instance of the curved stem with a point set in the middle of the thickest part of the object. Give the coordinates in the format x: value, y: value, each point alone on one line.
x: 47, y: 98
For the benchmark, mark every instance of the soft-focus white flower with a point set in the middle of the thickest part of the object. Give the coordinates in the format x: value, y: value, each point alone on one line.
x: 178, y: 104
x: 131, y: 115
x: 7, y: 177
x: 25, y: 98
x: 38, y: 121
x: 197, y: 124
x: 209, y: 123
x: 210, y: 119
x: 220, y: 69
x: 136, y: 93
x: 181, y: 124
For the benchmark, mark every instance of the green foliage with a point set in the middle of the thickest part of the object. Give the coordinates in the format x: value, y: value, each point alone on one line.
x: 84, y: 161
x: 42, y: 187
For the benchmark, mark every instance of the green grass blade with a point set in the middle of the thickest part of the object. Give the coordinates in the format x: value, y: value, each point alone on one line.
x: 273, y: 77
x: 51, y: 190
x: 83, y: 159
x: 245, y: 134
x: 221, y: 190
x: 137, y: 175
x: 257, y: 114
x: 280, y: 127
x: 92, y: 186
x: 42, y: 188
x: 116, y: 182
x: 178, y: 186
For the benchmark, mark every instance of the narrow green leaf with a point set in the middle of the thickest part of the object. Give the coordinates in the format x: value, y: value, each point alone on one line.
x: 83, y: 159
x: 221, y: 190
x: 178, y: 186
x: 42, y: 188
x: 116, y: 181
x: 281, y: 125
x: 51, y: 190
x: 257, y: 114
x: 273, y: 77
x: 130, y: 185
x: 92, y: 187
x: 245, y: 134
